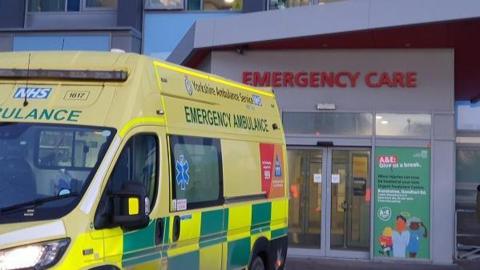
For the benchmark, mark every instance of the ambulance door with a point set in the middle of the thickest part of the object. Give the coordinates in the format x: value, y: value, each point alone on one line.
x: 137, y: 164
x: 198, y: 221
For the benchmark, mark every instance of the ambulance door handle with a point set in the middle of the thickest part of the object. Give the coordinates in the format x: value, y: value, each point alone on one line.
x: 176, y: 228
x: 159, y: 235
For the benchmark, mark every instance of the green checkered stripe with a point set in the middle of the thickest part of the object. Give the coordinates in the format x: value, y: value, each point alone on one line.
x: 139, y: 246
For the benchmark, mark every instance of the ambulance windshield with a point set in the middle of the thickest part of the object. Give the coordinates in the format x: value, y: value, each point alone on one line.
x: 44, y: 169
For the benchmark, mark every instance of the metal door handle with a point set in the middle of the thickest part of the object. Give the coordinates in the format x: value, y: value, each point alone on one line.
x: 345, y: 205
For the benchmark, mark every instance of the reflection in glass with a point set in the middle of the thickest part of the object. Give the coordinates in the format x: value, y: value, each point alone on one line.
x: 46, y: 5
x: 215, y: 5
x: 281, y: 4
x: 467, y: 114
x: 165, y: 4
x: 468, y: 161
x: 408, y: 125
x: 38, y: 161
x: 101, y: 3
x: 328, y: 123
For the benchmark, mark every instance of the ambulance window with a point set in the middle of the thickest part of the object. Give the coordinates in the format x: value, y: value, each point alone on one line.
x: 137, y: 162
x: 69, y: 148
x: 196, y: 172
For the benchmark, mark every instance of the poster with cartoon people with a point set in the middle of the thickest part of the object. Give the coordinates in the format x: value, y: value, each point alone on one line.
x: 402, y: 202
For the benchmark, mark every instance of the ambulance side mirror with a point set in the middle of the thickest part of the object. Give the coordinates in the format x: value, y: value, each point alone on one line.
x: 131, y: 207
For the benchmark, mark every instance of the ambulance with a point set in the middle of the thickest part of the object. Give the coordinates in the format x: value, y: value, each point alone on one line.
x: 118, y: 161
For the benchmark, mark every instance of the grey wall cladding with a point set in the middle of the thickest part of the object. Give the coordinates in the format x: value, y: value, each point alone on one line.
x: 129, y: 14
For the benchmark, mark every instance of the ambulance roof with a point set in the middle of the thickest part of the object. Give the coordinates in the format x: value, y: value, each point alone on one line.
x: 122, y: 90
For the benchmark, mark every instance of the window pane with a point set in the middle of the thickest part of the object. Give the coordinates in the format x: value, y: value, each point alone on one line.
x: 222, y: 4
x: 36, y: 161
x: 468, y: 165
x: 46, y: 5
x: 406, y: 125
x: 69, y: 149
x: 194, y: 4
x: 88, y: 146
x: 328, y: 123
x: 165, y: 4
x: 73, y: 5
x: 279, y: 4
x: 196, y: 167
x: 467, y: 115
x: 101, y: 3
x: 55, y: 149
x: 138, y: 162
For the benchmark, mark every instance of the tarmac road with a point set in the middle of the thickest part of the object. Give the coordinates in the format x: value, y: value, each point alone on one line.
x: 297, y: 263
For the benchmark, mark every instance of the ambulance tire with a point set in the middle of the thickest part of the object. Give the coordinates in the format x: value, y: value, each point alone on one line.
x: 260, y: 254
x: 257, y: 264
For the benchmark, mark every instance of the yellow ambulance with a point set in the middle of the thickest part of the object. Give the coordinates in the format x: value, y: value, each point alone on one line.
x: 119, y: 161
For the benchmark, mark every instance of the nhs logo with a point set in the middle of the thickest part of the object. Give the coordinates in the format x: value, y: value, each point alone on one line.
x: 32, y: 93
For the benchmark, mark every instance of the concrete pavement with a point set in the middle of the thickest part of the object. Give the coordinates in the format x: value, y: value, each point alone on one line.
x: 296, y: 263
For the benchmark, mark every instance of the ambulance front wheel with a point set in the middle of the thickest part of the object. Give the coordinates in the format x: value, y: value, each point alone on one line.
x: 257, y: 264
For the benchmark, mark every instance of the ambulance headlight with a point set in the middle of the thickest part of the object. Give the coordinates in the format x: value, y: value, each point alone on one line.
x: 36, y: 256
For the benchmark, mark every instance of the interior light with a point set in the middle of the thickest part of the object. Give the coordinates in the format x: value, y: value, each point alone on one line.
x: 384, y: 122
x: 379, y: 117
x: 229, y: 1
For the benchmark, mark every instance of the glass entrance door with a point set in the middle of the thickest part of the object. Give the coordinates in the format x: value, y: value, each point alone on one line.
x: 350, y: 200
x: 306, y: 177
x: 330, y: 196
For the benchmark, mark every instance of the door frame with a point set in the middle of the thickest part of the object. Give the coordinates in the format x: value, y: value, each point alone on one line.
x: 321, y: 251
x: 324, y: 250
x: 329, y: 252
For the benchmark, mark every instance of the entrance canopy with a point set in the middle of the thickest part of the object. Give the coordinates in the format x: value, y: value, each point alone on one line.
x: 372, y: 24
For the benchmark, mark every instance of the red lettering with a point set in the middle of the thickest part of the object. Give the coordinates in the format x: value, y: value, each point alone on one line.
x: 411, y: 79
x: 398, y: 79
x: 261, y: 79
x: 338, y: 81
x: 385, y: 80
x: 342, y: 79
x: 354, y: 78
x: 369, y: 80
x: 327, y: 78
x: 301, y: 79
x: 287, y: 79
x: 314, y: 79
x: 247, y: 77
x: 276, y: 79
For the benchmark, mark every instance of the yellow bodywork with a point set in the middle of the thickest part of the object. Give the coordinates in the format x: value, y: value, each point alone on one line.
x: 165, y: 99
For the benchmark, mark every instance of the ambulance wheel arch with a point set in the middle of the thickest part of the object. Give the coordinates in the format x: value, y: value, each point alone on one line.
x: 261, y: 250
x: 105, y: 267
x: 272, y: 253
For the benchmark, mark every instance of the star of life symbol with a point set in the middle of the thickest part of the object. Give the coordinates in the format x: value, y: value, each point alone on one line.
x: 182, y: 167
